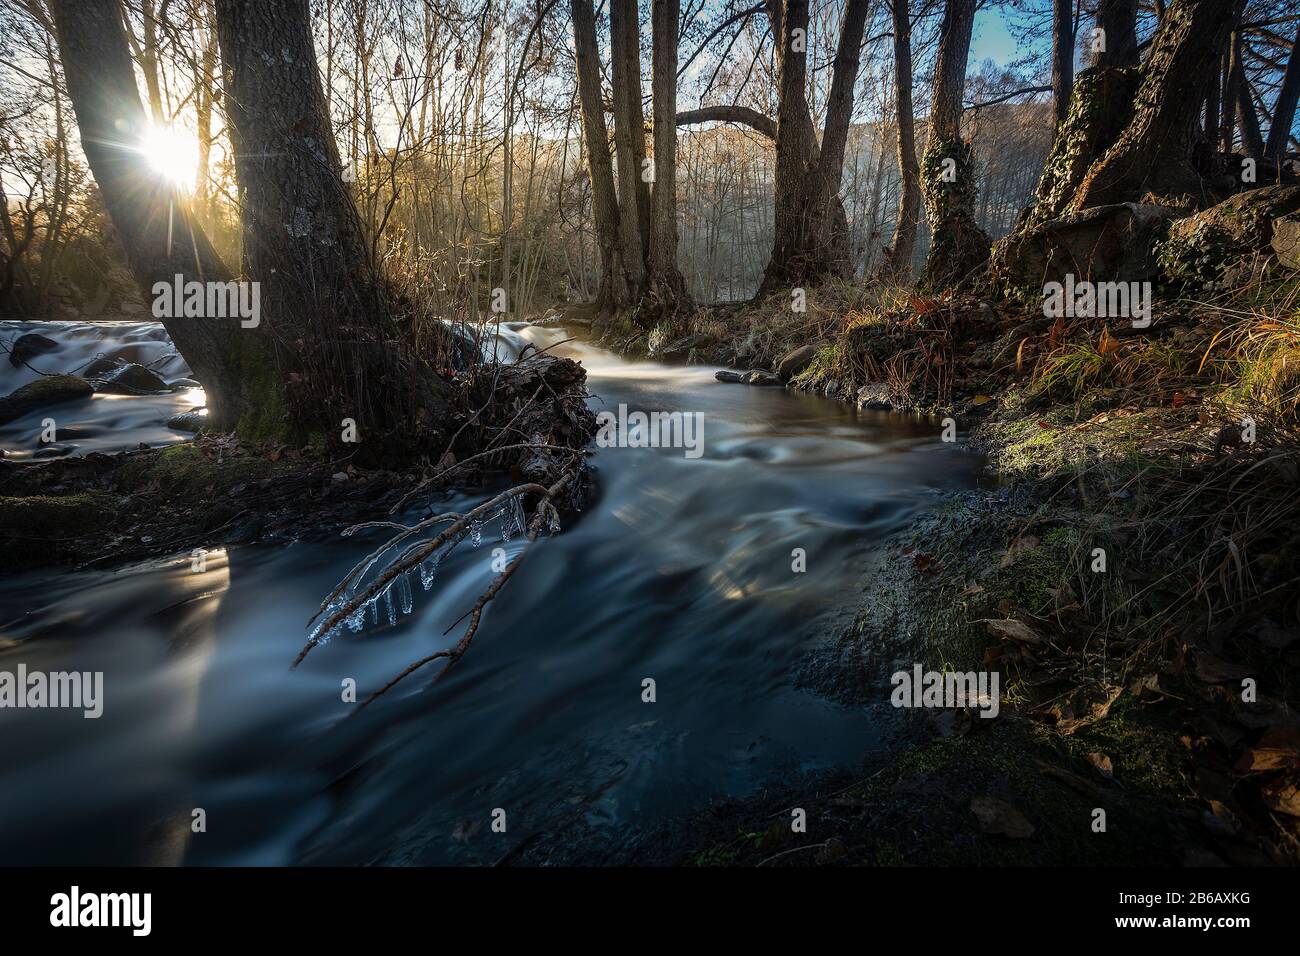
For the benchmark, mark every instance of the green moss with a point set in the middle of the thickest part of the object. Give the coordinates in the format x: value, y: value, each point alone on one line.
x: 186, y: 466
x: 266, y: 418
x: 46, y: 514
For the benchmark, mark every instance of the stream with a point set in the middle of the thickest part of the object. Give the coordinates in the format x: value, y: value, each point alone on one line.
x: 680, y: 570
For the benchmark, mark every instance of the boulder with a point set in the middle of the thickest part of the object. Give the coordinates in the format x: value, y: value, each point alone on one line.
x: 761, y: 376
x: 1112, y: 243
x: 191, y: 421
x: 727, y: 376
x: 1201, y: 248
x: 100, y: 368
x: 1286, y: 240
x: 132, y: 380
x: 45, y: 391
x: 27, y: 347
x: 680, y: 349
x: 795, y: 361
x: 875, y: 398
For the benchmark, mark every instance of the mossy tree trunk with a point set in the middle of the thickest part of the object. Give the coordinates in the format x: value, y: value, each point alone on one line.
x: 1100, y: 110
x: 339, y: 352
x: 958, y: 246
x: 1154, y: 153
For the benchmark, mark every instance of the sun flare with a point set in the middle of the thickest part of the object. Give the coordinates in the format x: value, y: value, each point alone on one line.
x: 173, y: 153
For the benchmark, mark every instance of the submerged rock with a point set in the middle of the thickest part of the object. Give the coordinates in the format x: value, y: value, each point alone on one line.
x: 132, y: 380
x: 191, y: 421
x: 874, y: 398
x: 27, y: 347
x: 45, y: 391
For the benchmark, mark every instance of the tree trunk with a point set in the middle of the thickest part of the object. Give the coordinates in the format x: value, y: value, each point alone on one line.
x: 957, y: 244
x: 1284, y: 108
x: 1117, y: 19
x: 629, y: 138
x: 1252, y: 141
x: 1100, y: 109
x: 1154, y: 153
x: 339, y: 354
x: 810, y: 240
x: 1062, y: 57
x: 899, y: 259
x: 614, y: 292
x: 204, y: 95
x: 665, y: 284
x: 1228, y: 96
x: 829, y: 170
x: 154, y: 225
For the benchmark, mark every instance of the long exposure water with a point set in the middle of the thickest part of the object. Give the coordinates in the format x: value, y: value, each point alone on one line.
x: 679, y: 570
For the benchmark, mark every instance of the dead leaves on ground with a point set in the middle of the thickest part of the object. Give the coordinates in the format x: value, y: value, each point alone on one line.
x: 1000, y: 818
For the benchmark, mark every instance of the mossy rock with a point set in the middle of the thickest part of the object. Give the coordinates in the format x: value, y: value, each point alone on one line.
x: 47, y: 514
x: 1200, y: 249
x: 45, y: 391
x: 186, y: 467
x: 1112, y: 243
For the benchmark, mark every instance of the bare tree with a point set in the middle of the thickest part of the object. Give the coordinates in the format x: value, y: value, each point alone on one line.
x: 339, y: 352
x: 615, y: 291
x: 154, y: 224
x: 810, y: 239
x: 899, y: 259
x: 1284, y: 108
x: 957, y: 244
x: 665, y: 286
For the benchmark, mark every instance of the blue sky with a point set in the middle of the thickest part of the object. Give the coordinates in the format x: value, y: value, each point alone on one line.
x: 990, y: 40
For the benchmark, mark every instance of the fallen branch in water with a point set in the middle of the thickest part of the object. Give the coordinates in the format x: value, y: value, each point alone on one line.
x: 411, y: 557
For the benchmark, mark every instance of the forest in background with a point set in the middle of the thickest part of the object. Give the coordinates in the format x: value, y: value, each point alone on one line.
x: 460, y: 128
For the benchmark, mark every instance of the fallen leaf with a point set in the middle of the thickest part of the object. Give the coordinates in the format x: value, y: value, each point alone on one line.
x: 1212, y: 670
x: 1012, y: 630
x: 1278, y: 749
x: 1283, y: 796
x: 1001, y: 818
x: 1107, y: 343
x: 1102, y: 763
x: 1027, y: 543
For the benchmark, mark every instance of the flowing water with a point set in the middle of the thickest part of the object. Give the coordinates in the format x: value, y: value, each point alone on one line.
x: 679, y: 570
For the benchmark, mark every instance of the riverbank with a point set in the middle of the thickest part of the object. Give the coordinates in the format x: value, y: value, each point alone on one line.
x: 1133, y: 580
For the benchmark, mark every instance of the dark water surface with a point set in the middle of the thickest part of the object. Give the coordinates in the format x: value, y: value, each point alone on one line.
x: 679, y: 571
